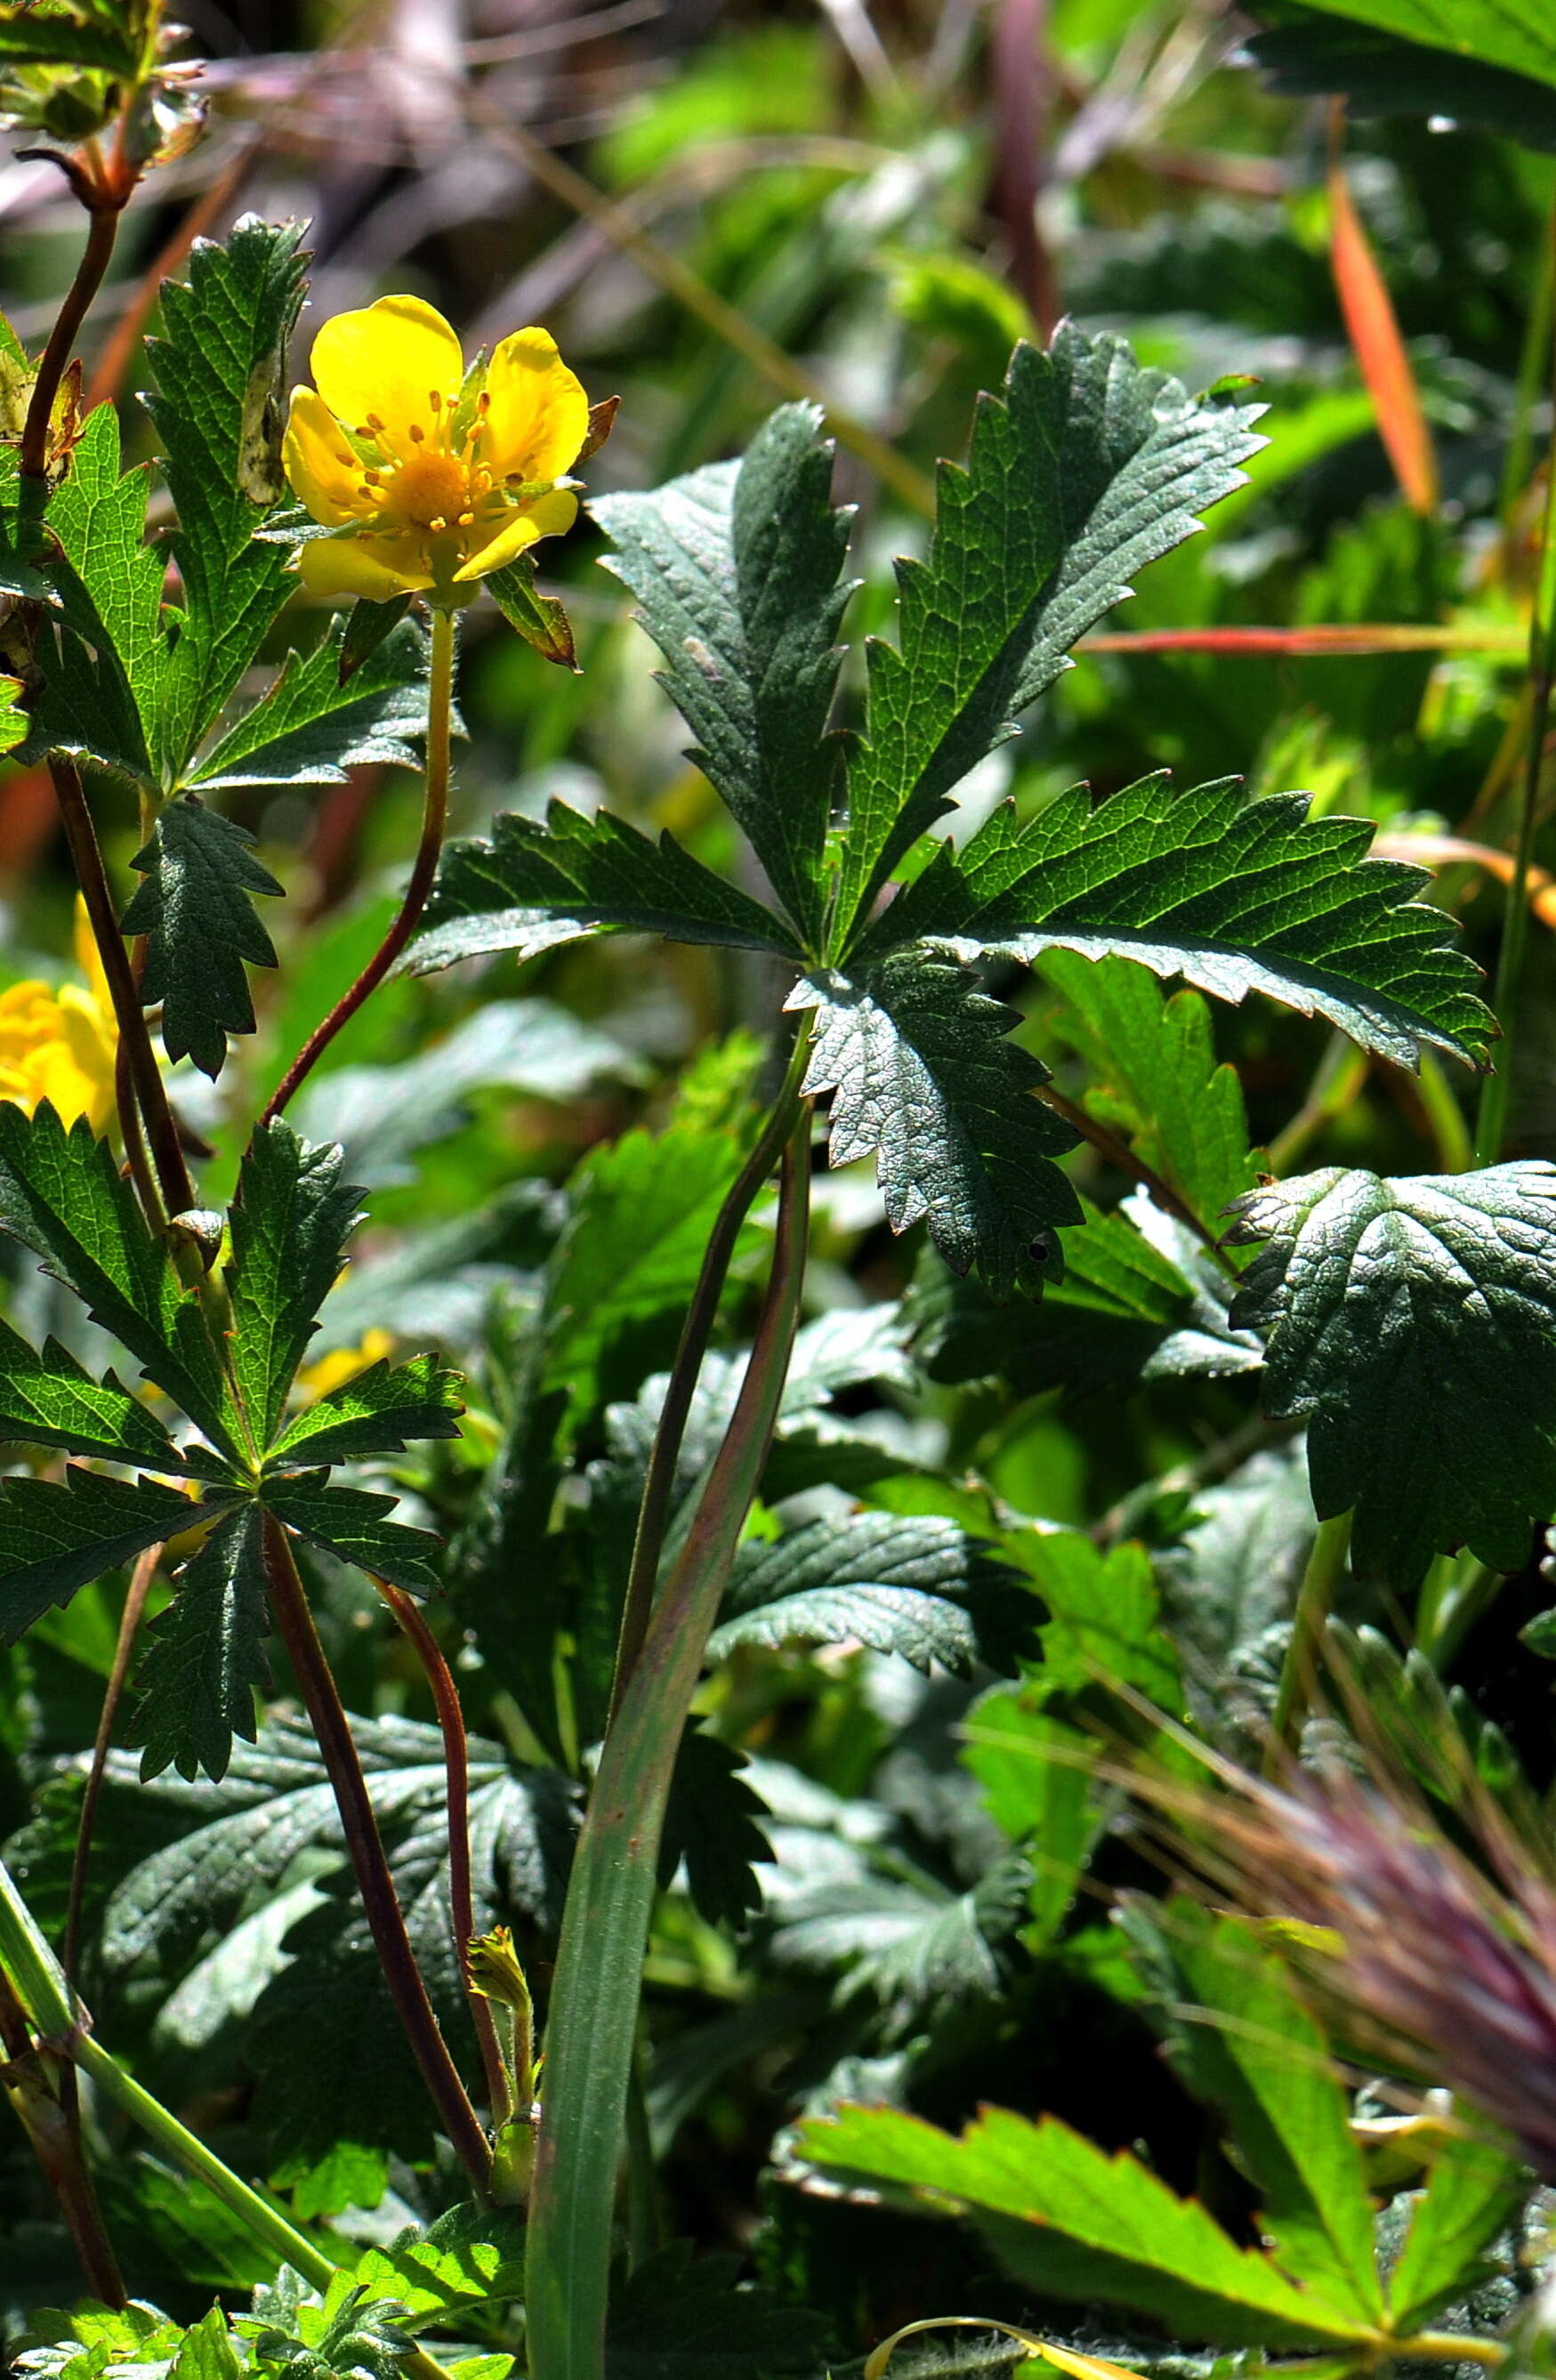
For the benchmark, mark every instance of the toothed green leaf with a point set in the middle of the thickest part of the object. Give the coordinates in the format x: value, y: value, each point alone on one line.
x: 355, y: 1525
x: 291, y: 1220
x: 312, y: 725
x: 1236, y: 896
x: 1081, y: 472
x: 921, y: 1072
x: 376, y: 1412
x: 57, y: 1536
x: 205, y: 1658
x: 1413, y: 1322
x: 194, y: 906
x: 46, y: 1399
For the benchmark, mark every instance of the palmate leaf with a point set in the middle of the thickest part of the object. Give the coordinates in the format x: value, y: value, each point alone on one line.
x: 62, y: 1195
x: 290, y: 1221
x: 1243, y: 2041
x: 1082, y: 471
x: 894, y: 1933
x: 354, y: 1524
x: 377, y: 1412
x: 312, y: 725
x: 195, y: 909
x: 205, y: 1659
x: 467, y: 2257
x: 47, y: 1399
x: 532, y: 887
x: 1072, y: 2222
x: 57, y: 1536
x: 917, y: 1060
x: 736, y: 570
x: 1413, y: 1320
x: 1237, y: 896
x: 912, y: 1584
x: 1472, y: 2193
x: 217, y: 410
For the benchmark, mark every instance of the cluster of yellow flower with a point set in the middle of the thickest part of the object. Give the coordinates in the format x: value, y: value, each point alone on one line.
x: 61, y: 1044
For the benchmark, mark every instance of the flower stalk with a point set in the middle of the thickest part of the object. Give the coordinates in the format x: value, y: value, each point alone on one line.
x: 434, y: 818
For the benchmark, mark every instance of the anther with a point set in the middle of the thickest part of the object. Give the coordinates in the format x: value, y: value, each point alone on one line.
x: 434, y: 400
x: 483, y: 402
x: 416, y: 433
x: 466, y: 520
x: 437, y: 522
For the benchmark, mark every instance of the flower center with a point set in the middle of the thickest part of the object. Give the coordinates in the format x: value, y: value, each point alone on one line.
x: 430, y: 489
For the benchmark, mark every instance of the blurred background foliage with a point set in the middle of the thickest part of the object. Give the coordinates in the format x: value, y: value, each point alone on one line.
x: 716, y: 206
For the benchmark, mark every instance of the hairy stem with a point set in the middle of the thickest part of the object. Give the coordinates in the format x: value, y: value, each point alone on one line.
x: 135, y: 1038
x: 435, y: 816
x: 294, y: 1623
x: 653, y: 1512
x: 103, y: 221
x: 461, y: 1897
x: 1299, y: 1670
x: 592, y: 2030
x: 1492, y: 1118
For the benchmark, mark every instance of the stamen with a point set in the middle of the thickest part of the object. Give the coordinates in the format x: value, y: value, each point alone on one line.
x: 437, y: 523
x: 483, y: 402
x: 466, y: 520
x: 416, y: 433
x: 434, y: 400
x: 372, y: 479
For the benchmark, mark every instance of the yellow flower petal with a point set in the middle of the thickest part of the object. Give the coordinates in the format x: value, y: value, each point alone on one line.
x: 538, y: 417
x: 386, y: 360
x: 388, y: 566
x: 550, y: 515
x: 343, y: 1364
x: 320, y: 464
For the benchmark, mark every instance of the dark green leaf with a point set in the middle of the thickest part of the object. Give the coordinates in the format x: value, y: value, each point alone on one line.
x: 1085, y: 470
x: 914, y: 1585
x: 49, y: 1399
x: 713, y: 1824
x: 1038, y: 1789
x: 73, y: 37
x: 219, y: 368
x: 195, y: 911
x: 21, y: 538
x: 920, y: 1070
x: 1228, y: 1589
x: 57, y: 1536
x: 540, y: 619
x: 62, y: 1193
x: 737, y: 569
x: 290, y: 1221
x: 1309, y: 50
x: 680, y: 2318
x: 354, y: 1526
x: 1073, y: 2222
x: 367, y: 624
x: 1412, y: 1320
x: 1515, y: 34
x: 205, y: 1659
x: 532, y: 887
x: 376, y: 1412
x: 314, y: 724
x: 1237, y: 896
x: 901, y: 1937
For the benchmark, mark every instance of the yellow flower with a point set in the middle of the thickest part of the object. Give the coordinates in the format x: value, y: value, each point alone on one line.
x: 60, y: 1045
x: 343, y: 1364
x: 429, y: 477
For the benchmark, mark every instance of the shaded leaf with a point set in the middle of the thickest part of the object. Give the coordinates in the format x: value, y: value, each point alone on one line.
x: 677, y: 2317
x: 195, y: 911
x: 713, y: 1824
x: 1411, y: 1320
x: 1316, y: 49
x: 911, y: 1584
x: 205, y: 1658
x: 921, y: 1072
